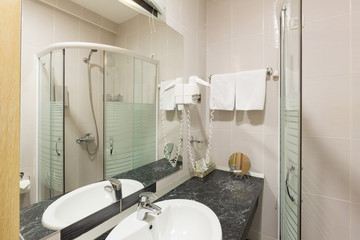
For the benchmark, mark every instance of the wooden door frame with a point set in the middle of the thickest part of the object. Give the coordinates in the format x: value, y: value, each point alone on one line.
x: 10, y: 42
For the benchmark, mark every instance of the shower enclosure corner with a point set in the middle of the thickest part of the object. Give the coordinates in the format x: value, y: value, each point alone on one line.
x: 291, y: 121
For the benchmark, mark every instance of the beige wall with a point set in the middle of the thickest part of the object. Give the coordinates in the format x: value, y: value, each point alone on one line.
x: 331, y: 119
x: 9, y: 118
x: 244, y: 35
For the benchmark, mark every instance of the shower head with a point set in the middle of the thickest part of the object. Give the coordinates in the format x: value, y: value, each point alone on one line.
x: 87, y: 60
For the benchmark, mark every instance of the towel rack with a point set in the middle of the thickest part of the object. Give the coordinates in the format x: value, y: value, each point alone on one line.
x: 269, y: 72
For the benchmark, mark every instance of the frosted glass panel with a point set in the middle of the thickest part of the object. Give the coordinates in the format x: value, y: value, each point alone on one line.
x: 130, y: 113
x: 51, y: 139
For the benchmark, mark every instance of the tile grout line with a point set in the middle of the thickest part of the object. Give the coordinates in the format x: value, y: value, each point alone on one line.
x: 350, y: 128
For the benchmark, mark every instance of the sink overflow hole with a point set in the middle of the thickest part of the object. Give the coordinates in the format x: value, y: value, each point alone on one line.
x: 151, y: 226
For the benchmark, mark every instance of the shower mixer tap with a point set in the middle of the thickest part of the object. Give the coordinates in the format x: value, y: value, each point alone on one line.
x: 87, y: 138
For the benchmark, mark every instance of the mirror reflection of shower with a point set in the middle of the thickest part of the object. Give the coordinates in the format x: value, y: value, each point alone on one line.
x: 88, y: 138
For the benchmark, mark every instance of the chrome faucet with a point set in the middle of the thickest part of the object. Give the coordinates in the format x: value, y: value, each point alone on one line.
x: 116, y: 187
x: 86, y: 138
x: 145, y: 206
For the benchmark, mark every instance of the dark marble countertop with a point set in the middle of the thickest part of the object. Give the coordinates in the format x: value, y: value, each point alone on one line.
x: 152, y: 172
x: 30, y: 217
x: 233, y: 200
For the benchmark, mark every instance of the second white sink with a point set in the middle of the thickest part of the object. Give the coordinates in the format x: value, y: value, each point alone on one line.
x: 84, y: 201
x: 180, y: 219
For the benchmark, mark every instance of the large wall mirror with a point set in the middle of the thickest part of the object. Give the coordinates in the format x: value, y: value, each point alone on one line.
x: 89, y: 114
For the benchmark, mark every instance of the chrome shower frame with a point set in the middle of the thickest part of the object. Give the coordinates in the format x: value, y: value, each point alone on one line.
x: 282, y: 73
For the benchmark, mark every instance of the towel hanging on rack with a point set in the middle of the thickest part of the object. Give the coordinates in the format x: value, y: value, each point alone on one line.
x: 222, y: 93
x: 251, y: 90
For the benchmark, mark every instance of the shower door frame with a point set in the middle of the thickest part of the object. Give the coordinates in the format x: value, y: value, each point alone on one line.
x: 282, y: 57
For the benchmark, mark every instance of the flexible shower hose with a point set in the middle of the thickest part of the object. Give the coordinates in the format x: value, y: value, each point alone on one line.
x: 93, y: 114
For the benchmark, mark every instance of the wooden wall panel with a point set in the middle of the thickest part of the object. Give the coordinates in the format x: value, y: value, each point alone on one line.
x: 10, y: 20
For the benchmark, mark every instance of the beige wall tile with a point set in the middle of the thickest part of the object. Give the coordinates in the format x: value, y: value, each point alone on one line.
x: 355, y: 222
x: 327, y: 52
x: 315, y: 10
x: 265, y: 219
x: 218, y: 21
x: 324, y: 218
x: 109, y: 24
x: 355, y: 170
x: 253, y: 235
x: 355, y: 46
x: 89, y: 32
x: 70, y: 6
x: 246, y: 18
x: 355, y: 6
x: 223, y: 120
x: 247, y: 53
x: 37, y: 16
x: 326, y: 165
x: 190, y: 16
x: 66, y: 28
x: 270, y: 211
x: 221, y: 148
x: 251, y: 144
x: 249, y: 121
x: 91, y: 16
x: 326, y: 107
x: 218, y: 58
x: 271, y: 158
x: 271, y: 115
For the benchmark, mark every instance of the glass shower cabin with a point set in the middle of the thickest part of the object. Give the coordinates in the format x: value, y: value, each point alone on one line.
x: 130, y: 113
x: 51, y: 125
x: 290, y: 121
x: 123, y: 88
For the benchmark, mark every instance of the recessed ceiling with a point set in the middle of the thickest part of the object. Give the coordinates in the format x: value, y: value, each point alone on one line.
x: 111, y: 9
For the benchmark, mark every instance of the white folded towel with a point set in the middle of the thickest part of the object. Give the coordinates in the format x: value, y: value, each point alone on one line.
x: 250, y: 90
x: 222, y: 91
x: 167, y: 95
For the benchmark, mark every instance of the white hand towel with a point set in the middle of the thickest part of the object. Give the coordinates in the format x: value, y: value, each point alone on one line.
x: 222, y: 92
x: 250, y: 90
x: 167, y: 95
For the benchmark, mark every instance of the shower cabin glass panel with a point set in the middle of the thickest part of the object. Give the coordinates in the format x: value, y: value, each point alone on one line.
x: 144, y: 146
x: 129, y: 113
x: 51, y: 125
x: 290, y: 158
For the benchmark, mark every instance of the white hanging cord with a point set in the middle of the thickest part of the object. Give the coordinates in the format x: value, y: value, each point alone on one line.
x: 211, y: 125
x: 173, y: 162
x: 179, y: 144
x: 192, y: 161
x: 153, y: 21
x: 153, y: 17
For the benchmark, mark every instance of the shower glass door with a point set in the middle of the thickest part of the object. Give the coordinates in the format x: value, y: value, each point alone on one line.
x: 51, y: 125
x: 290, y: 142
x: 130, y: 113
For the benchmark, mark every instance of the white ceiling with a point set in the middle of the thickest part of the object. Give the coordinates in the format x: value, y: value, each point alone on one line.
x: 111, y: 9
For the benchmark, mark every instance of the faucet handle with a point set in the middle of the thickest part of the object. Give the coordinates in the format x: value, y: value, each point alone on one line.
x: 115, y: 183
x: 147, y: 197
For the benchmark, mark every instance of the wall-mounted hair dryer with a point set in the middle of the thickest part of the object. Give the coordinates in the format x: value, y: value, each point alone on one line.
x: 189, y: 93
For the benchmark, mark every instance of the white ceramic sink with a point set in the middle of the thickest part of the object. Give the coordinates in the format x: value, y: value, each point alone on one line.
x: 84, y: 201
x: 179, y: 219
